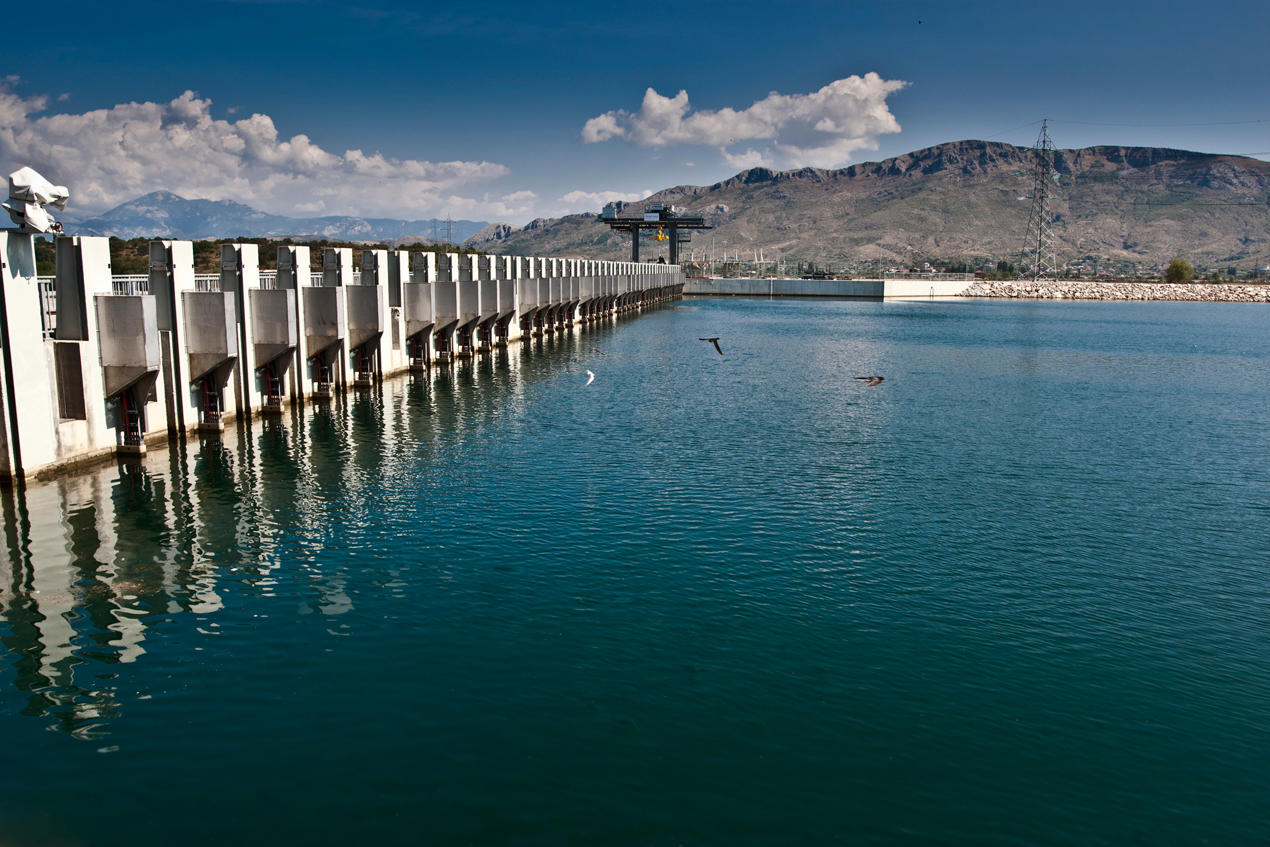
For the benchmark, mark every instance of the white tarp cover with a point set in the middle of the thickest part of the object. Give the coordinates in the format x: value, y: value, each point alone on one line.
x: 29, y: 193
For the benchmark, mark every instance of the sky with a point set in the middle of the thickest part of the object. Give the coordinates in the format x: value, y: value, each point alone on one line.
x: 512, y: 111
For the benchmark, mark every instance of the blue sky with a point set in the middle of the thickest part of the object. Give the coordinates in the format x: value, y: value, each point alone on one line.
x: 479, y: 110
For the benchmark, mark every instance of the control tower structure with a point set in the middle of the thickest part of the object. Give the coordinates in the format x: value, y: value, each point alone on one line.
x: 668, y: 222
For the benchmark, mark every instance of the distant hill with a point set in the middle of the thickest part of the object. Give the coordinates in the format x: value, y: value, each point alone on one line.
x: 963, y: 199
x: 162, y: 214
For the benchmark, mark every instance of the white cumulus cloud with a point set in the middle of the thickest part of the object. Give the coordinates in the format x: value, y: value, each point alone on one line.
x: 108, y: 156
x: 821, y: 129
x: 593, y: 201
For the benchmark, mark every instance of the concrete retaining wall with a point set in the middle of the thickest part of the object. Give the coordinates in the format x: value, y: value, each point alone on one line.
x: 864, y: 288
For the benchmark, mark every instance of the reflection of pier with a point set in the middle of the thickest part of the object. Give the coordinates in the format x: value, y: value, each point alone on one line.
x: 96, y: 559
x: 104, y: 365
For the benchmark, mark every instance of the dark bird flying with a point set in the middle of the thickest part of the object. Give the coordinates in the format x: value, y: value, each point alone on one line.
x: 872, y: 380
x: 715, y: 342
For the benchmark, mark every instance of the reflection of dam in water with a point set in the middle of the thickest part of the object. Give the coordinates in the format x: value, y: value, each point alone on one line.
x: 99, y: 562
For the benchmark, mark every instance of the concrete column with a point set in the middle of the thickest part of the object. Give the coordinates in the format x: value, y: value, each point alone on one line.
x: 367, y: 309
x: 201, y: 346
x: 469, y: 294
x: 486, y: 272
x: 507, y: 325
x: 586, y: 291
x: 543, y: 314
x: 398, y: 276
x: 611, y: 288
x: 267, y: 326
x: 571, y: 291
x: 206, y: 334
x: 83, y: 273
x: 509, y: 301
x: 28, y: 431
x: 445, y: 304
x: 555, y: 300
x: 418, y: 311
x: 240, y: 271
x: 600, y: 286
x: 573, y: 294
x: 526, y: 294
x: 294, y: 275
x: 337, y: 266
x: 324, y: 326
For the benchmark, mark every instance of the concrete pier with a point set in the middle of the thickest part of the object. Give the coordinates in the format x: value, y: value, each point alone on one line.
x: 445, y: 306
x: 418, y: 298
x: 97, y: 365
x: 367, y: 309
x: 293, y: 275
x: 324, y: 325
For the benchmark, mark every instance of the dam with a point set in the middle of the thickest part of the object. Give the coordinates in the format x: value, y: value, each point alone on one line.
x: 97, y: 365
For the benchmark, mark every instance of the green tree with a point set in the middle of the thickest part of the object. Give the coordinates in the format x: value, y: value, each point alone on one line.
x: 1179, y: 270
x: 45, y: 251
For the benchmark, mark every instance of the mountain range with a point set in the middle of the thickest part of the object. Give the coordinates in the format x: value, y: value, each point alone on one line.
x: 961, y: 200
x: 162, y: 214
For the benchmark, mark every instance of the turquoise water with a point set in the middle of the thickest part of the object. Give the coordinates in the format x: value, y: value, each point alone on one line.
x: 1016, y: 594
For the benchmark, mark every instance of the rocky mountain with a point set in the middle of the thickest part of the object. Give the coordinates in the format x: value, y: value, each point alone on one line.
x: 960, y: 200
x: 162, y: 214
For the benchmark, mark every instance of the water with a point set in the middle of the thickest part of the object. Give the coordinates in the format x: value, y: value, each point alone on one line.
x: 1017, y: 594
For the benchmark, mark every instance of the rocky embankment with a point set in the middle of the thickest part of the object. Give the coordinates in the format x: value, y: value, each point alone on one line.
x: 1086, y: 290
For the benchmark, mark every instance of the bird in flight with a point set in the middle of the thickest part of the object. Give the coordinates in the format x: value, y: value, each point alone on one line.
x: 715, y: 342
x: 871, y: 380
x: 590, y: 378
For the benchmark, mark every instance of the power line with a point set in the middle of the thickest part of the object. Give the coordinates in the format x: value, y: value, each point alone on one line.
x: 1197, y: 123
x: 1000, y: 132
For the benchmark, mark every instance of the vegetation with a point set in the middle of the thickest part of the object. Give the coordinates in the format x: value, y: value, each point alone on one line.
x: 1179, y: 270
x: 1005, y: 270
x: 45, y: 257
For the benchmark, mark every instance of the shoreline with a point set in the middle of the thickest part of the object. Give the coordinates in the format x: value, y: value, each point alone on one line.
x: 1087, y: 290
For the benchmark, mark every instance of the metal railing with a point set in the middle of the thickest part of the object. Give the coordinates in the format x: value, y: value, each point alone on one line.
x: 207, y: 282
x: 932, y: 276
x: 48, y: 305
x: 131, y: 284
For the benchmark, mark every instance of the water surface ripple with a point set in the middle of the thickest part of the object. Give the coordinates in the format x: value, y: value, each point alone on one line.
x: 1017, y: 594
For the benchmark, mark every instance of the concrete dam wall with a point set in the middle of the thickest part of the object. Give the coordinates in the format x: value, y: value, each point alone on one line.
x: 96, y: 365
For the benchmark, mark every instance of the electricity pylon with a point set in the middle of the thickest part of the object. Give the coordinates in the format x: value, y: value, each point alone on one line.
x: 1038, y: 245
